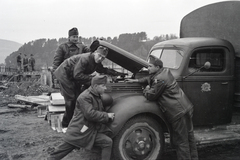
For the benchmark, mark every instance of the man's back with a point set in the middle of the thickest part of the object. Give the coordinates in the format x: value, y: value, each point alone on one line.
x: 31, y: 61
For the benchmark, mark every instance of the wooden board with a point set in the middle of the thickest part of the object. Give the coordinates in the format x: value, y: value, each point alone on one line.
x: 19, y: 106
x: 42, y: 99
x: 52, y: 108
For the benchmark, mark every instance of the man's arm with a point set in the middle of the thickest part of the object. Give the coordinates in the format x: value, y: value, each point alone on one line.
x: 78, y: 71
x: 91, y: 114
x: 58, y: 57
x: 143, y: 80
x: 152, y: 93
x: 86, y: 49
x: 101, y: 69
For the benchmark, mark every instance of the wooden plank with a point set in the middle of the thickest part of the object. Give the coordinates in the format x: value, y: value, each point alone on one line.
x: 52, y: 108
x: 19, y: 106
x: 43, y: 100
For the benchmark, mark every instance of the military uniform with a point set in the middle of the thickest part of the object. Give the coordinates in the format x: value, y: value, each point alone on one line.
x: 19, y: 62
x: 31, y: 62
x: 177, y: 109
x: 67, y: 50
x: 25, y: 64
x: 87, y: 128
x: 73, y: 72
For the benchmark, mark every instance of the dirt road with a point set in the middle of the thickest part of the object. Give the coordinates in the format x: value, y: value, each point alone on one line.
x: 24, y: 136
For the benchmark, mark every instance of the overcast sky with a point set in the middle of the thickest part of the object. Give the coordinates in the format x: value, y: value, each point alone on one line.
x: 26, y: 20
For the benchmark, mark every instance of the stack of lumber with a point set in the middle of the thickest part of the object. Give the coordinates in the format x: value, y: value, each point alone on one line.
x: 55, y: 111
x: 41, y: 102
x: 51, y: 107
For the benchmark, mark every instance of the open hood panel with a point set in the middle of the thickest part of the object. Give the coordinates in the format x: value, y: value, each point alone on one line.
x: 121, y: 57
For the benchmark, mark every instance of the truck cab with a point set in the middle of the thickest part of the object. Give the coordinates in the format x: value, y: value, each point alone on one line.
x: 211, y: 89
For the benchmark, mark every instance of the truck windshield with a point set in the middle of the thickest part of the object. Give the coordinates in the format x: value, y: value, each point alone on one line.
x: 171, y: 58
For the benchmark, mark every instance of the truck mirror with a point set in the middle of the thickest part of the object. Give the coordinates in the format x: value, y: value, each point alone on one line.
x: 207, y: 65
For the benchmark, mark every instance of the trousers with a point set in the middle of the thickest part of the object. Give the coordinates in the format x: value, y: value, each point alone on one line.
x: 102, y: 141
x: 183, y: 138
x: 70, y: 91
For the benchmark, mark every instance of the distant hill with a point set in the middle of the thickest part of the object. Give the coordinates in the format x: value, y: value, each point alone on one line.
x: 6, y: 48
x: 43, y: 50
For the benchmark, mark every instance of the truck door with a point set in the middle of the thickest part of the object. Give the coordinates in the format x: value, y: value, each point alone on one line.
x: 210, y: 90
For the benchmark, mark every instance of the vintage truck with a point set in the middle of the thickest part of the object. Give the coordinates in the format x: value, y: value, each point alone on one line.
x: 204, y: 66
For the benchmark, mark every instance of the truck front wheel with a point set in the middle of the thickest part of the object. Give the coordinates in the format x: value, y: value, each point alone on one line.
x: 141, y: 138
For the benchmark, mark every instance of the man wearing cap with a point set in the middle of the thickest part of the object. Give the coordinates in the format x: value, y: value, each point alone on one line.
x: 68, y: 49
x: 87, y: 128
x: 177, y: 108
x: 77, y: 70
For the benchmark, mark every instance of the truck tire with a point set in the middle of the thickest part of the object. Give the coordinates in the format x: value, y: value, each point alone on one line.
x: 141, y: 138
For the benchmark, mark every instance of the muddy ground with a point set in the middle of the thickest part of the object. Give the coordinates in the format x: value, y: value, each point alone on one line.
x: 25, y: 136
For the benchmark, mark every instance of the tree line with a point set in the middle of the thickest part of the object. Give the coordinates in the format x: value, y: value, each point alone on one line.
x: 44, y: 49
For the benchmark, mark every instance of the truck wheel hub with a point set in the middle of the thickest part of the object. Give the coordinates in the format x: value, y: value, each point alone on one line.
x: 139, y: 143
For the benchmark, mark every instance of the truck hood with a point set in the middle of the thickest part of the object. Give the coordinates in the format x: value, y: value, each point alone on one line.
x: 121, y: 57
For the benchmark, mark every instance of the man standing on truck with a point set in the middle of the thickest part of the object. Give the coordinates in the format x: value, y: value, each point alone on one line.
x: 178, y: 110
x: 77, y: 71
x: 87, y: 128
x: 68, y: 49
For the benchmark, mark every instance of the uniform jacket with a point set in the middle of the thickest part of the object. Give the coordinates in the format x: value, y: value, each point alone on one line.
x: 19, y: 58
x: 165, y: 90
x: 25, y: 61
x: 89, y: 112
x: 31, y: 61
x: 67, y: 50
x: 79, y: 68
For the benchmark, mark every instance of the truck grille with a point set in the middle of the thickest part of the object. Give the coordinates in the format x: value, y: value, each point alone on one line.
x: 124, y: 87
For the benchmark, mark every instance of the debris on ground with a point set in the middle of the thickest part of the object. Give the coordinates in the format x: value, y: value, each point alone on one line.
x: 26, y: 88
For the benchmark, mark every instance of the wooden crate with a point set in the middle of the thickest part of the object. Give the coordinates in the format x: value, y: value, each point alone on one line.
x: 56, y: 122
x: 41, y: 111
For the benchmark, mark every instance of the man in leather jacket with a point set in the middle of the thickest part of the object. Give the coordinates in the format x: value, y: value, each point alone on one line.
x: 177, y: 108
x: 87, y: 127
x: 76, y: 71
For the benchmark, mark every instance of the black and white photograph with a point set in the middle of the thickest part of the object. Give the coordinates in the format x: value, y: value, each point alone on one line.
x: 119, y: 80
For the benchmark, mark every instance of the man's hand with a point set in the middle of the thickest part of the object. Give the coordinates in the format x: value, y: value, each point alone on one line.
x: 122, y: 74
x: 147, y: 87
x: 111, y: 116
x: 145, y: 90
x: 94, y: 74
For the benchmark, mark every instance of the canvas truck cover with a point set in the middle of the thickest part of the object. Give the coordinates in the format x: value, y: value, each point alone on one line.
x: 218, y: 20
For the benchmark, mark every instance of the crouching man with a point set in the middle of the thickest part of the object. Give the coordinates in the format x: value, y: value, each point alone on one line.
x: 87, y: 129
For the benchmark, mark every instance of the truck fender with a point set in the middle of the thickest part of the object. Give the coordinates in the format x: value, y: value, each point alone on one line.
x: 126, y: 107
